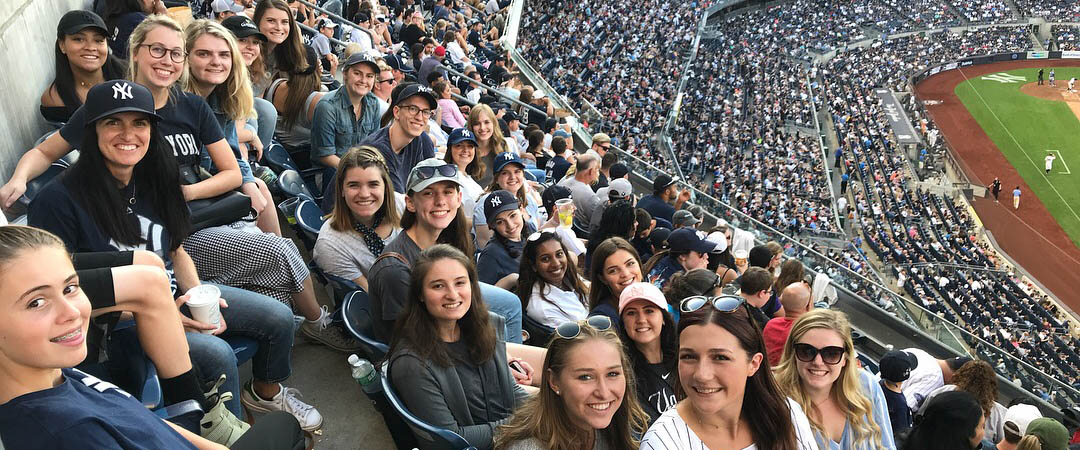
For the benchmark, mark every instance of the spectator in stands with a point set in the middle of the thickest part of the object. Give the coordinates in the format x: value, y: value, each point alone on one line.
x: 86, y: 208
x: 446, y: 342
x: 432, y: 66
x: 645, y: 226
x: 1017, y: 419
x: 365, y: 218
x: 688, y: 284
x: 665, y: 199
x: 819, y: 370
x: 510, y: 176
x: 606, y: 161
x: 283, y: 52
x: 321, y: 41
x: 580, y: 374
x: 498, y: 263
x: 46, y: 402
x: 553, y: 194
x: 432, y: 216
x: 122, y: 16
x: 585, y: 202
x: 216, y: 72
x: 490, y: 140
x: 348, y: 115
x: 1045, y: 434
x: 414, y: 30
x: 616, y: 266
x: 401, y: 70
x: 404, y: 142
x: 83, y: 60
x: 684, y: 219
x: 755, y: 286
x: 558, y: 165
x: 687, y: 251
x: 461, y: 151
x: 295, y: 97
x: 797, y: 302
x: 895, y: 368
x: 651, y: 343
x: 384, y: 86
x: 250, y: 42
x: 224, y: 9
x: 930, y: 374
x: 619, y: 190
x: 617, y: 221
x: 549, y: 286
x: 977, y: 378
x: 751, y: 404
x: 451, y: 114
x: 954, y: 420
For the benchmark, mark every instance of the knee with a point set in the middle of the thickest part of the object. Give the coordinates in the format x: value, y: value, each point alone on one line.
x: 145, y: 258
x: 212, y: 354
x: 143, y: 289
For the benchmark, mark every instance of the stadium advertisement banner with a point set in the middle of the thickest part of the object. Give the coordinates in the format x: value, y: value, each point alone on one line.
x: 898, y: 120
x: 1037, y: 55
x: 1070, y: 54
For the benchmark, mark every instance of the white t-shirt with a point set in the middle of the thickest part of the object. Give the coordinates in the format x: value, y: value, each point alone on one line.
x: 560, y: 306
x: 1049, y: 161
x: 924, y: 378
x: 470, y: 191
x: 670, y: 432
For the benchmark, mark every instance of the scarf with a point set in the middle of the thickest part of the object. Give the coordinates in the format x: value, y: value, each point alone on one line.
x: 371, y: 238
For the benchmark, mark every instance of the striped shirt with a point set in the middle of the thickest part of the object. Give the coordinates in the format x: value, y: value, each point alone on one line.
x: 670, y: 432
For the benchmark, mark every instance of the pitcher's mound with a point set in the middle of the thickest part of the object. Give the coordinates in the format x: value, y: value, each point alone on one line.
x: 1058, y: 93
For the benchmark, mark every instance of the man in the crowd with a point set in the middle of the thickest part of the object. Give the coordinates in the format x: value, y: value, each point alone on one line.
x: 931, y: 374
x: 321, y: 41
x: 432, y: 64
x: 684, y: 219
x: 346, y: 116
x: 607, y: 160
x: 688, y: 251
x: 601, y: 143
x: 224, y: 9
x: 363, y: 34
x: 585, y: 201
x: 645, y: 226
x: 755, y: 286
x: 404, y: 143
x: 513, y: 125
x: 796, y: 301
x: 658, y: 239
x: 384, y: 86
x: 497, y: 71
x: 665, y: 199
x: 1017, y: 419
x: 552, y: 195
x: 895, y: 368
x: 560, y: 163
x: 619, y: 190
x: 402, y: 71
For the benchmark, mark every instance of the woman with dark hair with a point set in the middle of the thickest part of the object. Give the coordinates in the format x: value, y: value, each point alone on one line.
x: 283, y: 52
x: 550, y: 289
x: 432, y: 216
x: 586, y: 400
x: 451, y: 115
x: 978, y: 378
x: 728, y: 397
x: 295, y: 96
x: 448, y: 355
x: 365, y: 218
x: 618, y: 220
x: 123, y: 193
x: 83, y: 60
x: 686, y: 251
x: 122, y: 16
x: 616, y: 266
x: 499, y: 262
x: 791, y: 271
x: 650, y: 340
x: 951, y: 421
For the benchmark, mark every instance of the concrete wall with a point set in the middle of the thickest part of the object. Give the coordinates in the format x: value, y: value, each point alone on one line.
x: 27, y: 36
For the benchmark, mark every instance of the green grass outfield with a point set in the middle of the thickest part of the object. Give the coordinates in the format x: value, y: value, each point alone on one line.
x: 1024, y: 128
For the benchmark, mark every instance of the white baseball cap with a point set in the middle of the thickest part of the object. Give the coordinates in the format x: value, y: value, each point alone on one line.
x: 1018, y: 416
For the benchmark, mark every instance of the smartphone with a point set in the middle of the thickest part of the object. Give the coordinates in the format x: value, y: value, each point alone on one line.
x: 517, y: 367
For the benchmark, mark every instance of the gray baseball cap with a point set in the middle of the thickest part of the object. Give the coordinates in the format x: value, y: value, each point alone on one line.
x: 431, y: 171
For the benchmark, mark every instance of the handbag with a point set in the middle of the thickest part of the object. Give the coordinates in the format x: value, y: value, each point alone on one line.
x: 211, y: 212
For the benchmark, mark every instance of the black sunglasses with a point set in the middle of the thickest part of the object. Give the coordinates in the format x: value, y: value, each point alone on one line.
x: 446, y: 170
x: 570, y: 330
x: 829, y: 355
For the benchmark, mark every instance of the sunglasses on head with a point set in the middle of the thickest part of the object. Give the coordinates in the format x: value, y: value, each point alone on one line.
x: 723, y: 303
x: 829, y: 355
x: 427, y: 172
x: 539, y: 234
x: 570, y: 330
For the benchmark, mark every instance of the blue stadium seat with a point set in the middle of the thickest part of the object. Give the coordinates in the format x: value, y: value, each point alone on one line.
x: 539, y: 334
x: 437, y: 438
x: 277, y: 159
x: 356, y: 312
x: 37, y: 184
x: 292, y: 185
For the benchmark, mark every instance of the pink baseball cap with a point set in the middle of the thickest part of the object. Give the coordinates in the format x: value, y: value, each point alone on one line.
x: 642, y: 291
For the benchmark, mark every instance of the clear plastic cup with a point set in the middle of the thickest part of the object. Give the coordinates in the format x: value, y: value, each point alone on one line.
x: 565, y: 208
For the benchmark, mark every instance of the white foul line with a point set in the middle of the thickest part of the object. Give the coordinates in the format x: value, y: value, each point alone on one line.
x: 1067, y: 171
x: 1038, y: 169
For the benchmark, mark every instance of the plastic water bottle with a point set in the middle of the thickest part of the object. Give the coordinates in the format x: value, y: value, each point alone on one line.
x: 364, y: 373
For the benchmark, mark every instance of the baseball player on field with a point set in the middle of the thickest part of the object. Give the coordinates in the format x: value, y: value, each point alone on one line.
x: 1050, y: 157
x: 1053, y: 81
x: 1072, y: 82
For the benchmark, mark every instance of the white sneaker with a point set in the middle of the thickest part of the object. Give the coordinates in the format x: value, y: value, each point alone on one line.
x: 288, y: 400
x: 323, y: 331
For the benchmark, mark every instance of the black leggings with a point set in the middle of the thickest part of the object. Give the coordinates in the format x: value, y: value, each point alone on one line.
x: 275, y: 431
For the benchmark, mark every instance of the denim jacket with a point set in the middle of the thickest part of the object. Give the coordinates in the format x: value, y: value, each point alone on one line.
x: 334, y: 127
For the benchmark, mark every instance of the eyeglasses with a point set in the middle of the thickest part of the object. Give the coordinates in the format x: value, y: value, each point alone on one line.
x: 829, y: 355
x: 723, y: 303
x: 570, y: 330
x: 414, y: 110
x: 158, y: 51
x: 539, y: 234
x: 446, y: 170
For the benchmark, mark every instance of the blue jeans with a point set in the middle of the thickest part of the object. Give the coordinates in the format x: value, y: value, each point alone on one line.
x: 504, y: 303
x: 251, y: 315
x: 267, y: 120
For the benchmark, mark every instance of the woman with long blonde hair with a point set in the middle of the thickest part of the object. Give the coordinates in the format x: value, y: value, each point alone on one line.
x: 489, y: 140
x: 819, y: 370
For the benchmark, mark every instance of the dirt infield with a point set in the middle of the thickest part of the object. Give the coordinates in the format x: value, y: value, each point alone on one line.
x: 1030, y: 235
x: 1057, y: 93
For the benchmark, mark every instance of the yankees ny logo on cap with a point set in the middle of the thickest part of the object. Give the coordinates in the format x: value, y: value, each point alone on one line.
x: 508, y: 156
x: 495, y: 201
x: 122, y: 91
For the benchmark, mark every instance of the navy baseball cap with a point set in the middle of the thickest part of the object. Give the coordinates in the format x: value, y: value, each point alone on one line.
x: 77, y: 20
x: 659, y: 238
x: 896, y: 365
x: 686, y: 239
x: 497, y: 202
x: 460, y: 135
x: 242, y: 27
x: 662, y: 181
x: 412, y: 89
x: 395, y: 62
x: 361, y: 58
x: 504, y: 158
x: 553, y: 194
x: 618, y: 170
x: 510, y: 116
x: 117, y: 96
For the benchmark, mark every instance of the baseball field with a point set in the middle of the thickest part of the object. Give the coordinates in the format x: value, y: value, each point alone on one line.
x: 1027, y: 122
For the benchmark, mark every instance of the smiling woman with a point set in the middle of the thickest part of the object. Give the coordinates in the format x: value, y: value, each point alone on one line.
x: 83, y: 60
x: 616, y: 266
